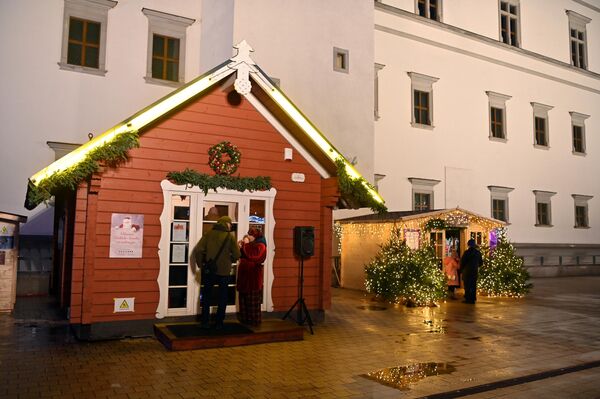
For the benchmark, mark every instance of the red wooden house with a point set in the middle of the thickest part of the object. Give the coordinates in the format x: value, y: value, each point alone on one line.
x: 124, y: 235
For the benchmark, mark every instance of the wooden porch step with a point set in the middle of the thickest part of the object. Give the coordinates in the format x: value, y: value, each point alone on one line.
x: 189, y: 335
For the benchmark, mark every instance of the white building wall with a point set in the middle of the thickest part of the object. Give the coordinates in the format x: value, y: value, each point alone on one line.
x: 295, y: 42
x: 458, y: 148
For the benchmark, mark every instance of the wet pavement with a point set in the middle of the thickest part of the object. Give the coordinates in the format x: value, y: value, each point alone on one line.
x: 546, y: 345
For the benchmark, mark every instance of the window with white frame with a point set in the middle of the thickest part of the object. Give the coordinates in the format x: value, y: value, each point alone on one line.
x: 499, y: 202
x: 422, y: 99
x: 543, y: 208
x: 578, y: 132
x: 578, y: 39
x: 497, y: 107
x: 84, y: 36
x: 378, y: 67
x: 581, y: 210
x: 541, y: 135
x: 431, y: 9
x: 341, y: 60
x: 509, y: 22
x: 166, y: 47
x: 422, y: 193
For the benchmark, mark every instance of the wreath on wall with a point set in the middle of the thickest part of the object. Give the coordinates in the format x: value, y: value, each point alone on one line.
x: 224, y: 158
x: 435, y: 224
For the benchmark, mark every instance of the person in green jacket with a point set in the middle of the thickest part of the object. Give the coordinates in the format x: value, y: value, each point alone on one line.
x: 209, y: 248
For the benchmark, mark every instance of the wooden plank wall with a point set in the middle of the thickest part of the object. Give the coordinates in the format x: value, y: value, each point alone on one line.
x: 181, y: 141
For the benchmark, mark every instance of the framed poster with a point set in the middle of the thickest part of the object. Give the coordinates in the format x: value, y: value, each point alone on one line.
x: 412, y: 238
x: 126, y: 235
x: 179, y: 231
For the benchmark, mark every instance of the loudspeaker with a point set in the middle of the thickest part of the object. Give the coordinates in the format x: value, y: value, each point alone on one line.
x: 304, y: 241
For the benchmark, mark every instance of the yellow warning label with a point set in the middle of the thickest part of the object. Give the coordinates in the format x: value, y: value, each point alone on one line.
x: 124, y: 304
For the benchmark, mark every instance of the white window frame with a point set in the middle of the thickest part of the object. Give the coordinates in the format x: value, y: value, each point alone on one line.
x: 497, y: 100
x: 345, y: 54
x: 423, y: 186
x: 423, y: 83
x: 546, y: 198
x: 581, y: 200
x: 91, y: 10
x: 508, y: 15
x: 427, y: 4
x: 541, y: 111
x: 578, y: 119
x: 378, y: 67
x: 579, y: 23
x: 169, y: 25
x: 500, y: 193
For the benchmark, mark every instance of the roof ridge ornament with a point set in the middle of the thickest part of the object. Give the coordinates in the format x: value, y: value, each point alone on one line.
x: 243, y: 63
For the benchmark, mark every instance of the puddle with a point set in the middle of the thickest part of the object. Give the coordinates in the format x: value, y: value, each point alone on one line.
x: 371, y: 307
x: 402, y: 376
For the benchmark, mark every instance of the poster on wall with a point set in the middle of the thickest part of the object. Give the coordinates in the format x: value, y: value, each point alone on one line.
x: 412, y: 238
x: 7, y: 232
x: 126, y: 235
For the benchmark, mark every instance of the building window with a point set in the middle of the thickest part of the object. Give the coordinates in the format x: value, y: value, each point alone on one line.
x: 378, y: 67
x: 166, y: 48
x: 84, y: 35
x: 422, y: 100
x: 422, y: 193
x: 165, y: 58
x: 578, y: 39
x: 578, y: 129
x: 540, y: 125
x: 429, y: 9
x: 509, y: 22
x: 341, y: 60
x: 581, y: 210
x: 543, y: 208
x: 497, y: 106
x: 499, y: 202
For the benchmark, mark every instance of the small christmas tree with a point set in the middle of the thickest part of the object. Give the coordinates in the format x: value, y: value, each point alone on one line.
x: 400, y: 274
x: 502, y: 273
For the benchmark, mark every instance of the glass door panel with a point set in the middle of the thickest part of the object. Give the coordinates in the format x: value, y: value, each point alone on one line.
x: 178, y: 251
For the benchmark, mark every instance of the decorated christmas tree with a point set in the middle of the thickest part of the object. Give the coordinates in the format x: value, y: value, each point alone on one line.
x: 400, y: 274
x: 502, y: 273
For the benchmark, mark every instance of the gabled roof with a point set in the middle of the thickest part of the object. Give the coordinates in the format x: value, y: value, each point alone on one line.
x: 263, y: 90
x: 404, y: 216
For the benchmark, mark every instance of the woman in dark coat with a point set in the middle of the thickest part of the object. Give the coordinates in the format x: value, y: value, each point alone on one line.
x: 250, y: 276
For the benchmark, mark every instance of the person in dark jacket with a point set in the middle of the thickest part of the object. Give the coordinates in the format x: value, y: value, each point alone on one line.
x: 208, y: 248
x: 250, y: 276
x: 469, y: 266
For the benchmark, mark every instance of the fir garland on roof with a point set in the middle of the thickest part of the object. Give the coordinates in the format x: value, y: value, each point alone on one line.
x: 207, y: 182
x: 111, y: 153
x: 356, y: 189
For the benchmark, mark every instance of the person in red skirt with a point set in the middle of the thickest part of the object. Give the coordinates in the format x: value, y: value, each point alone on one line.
x: 250, y: 277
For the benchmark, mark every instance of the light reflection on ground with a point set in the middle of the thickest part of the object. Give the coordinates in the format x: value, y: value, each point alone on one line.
x: 401, y: 377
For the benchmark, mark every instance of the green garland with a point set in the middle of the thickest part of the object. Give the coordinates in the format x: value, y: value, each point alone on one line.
x: 207, y: 182
x: 111, y: 153
x: 435, y: 224
x: 356, y: 189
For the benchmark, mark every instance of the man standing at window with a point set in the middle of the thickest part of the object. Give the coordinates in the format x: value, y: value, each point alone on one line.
x: 219, y: 246
x: 469, y: 266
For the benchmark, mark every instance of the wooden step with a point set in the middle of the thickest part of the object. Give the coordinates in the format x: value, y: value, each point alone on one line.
x: 189, y: 335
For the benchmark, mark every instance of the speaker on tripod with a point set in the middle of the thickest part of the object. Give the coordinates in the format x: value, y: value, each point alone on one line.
x: 304, y: 247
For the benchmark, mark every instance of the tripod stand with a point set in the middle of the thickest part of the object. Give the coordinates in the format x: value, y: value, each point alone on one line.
x: 302, y: 313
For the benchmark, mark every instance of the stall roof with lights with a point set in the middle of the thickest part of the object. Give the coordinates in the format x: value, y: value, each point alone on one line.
x: 251, y: 82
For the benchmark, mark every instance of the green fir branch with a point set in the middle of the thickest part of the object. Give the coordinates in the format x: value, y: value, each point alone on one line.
x: 357, y: 189
x: 111, y: 154
x: 207, y: 182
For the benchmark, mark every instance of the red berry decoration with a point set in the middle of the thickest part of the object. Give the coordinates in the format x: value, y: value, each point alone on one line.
x: 224, y: 158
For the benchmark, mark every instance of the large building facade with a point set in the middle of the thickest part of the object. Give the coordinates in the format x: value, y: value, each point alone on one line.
x: 491, y: 105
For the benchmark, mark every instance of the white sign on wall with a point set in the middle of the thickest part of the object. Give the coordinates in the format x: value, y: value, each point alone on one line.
x: 126, y: 235
x: 124, y: 305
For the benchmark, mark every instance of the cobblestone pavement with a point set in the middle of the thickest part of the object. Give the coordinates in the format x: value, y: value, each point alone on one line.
x: 421, y: 351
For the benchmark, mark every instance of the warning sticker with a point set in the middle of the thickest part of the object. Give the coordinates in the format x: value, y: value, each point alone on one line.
x: 124, y: 305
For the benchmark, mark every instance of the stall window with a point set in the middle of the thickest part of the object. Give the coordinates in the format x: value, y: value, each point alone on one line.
x: 178, y: 254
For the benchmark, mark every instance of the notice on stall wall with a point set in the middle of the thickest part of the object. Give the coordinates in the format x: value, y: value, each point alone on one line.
x: 124, y: 305
x: 412, y: 238
x: 126, y: 235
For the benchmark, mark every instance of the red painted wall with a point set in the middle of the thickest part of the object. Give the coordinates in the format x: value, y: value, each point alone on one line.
x: 181, y: 141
